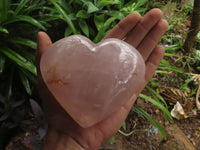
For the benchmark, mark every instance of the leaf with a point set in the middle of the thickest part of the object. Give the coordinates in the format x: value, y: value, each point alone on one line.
x: 52, y: 10
x: 155, y: 94
x: 42, y: 131
x: 84, y: 27
x: 102, y: 31
x: 20, y: 6
x: 114, y: 13
x: 27, y: 19
x: 164, y: 63
x: 160, y: 106
x: 68, y: 31
x: 26, y: 53
x: 91, y: 8
x: 65, y: 16
x: 174, y: 55
x: 140, y: 3
x: 4, y: 8
x: 153, y: 121
x: 67, y: 6
x: 4, y: 30
x: 124, y: 125
x: 99, y: 21
x: 25, y: 82
x: 30, y: 76
x: 82, y: 14
x: 154, y: 83
x: 21, y: 61
x: 175, y: 69
x: 50, y: 17
x: 37, y: 110
x: 112, y: 140
x: 161, y: 71
x: 10, y: 84
x: 173, y: 47
x: 103, y: 3
x: 23, y: 41
x: 92, y: 31
x: 2, y: 63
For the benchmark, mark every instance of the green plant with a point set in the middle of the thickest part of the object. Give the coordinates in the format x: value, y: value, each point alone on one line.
x: 152, y: 120
x: 18, y: 26
x: 94, y: 18
x: 20, y: 20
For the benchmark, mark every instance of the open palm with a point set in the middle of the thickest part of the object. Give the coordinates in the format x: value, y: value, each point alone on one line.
x: 142, y: 33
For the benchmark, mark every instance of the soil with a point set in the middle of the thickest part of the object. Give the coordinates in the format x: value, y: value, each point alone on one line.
x: 183, y: 134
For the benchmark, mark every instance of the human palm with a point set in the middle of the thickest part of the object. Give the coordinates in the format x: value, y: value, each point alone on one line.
x: 142, y: 33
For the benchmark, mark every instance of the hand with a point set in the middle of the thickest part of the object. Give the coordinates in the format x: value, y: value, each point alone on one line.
x: 63, y: 133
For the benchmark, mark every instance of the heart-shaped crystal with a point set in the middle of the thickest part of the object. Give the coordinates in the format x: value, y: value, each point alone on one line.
x: 91, y: 81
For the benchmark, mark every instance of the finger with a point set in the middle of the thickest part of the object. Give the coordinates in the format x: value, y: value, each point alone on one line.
x: 152, y: 38
x: 124, y: 26
x: 152, y: 63
x: 143, y: 27
x: 43, y: 43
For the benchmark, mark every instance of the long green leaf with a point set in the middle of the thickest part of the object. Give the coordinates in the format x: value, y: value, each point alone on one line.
x: 23, y: 41
x: 99, y: 21
x: 174, y: 55
x: 4, y: 30
x: 155, y: 94
x: 35, y: 5
x: 173, y: 47
x: 65, y: 16
x: 161, y: 71
x: 10, y: 83
x: 30, y: 76
x: 25, y: 82
x: 140, y: 3
x: 21, y: 61
x: 50, y: 17
x: 175, y: 69
x: 21, y: 5
x: 152, y: 120
x: 102, y: 31
x: 114, y: 13
x: 30, y: 56
x: 103, y: 3
x: 160, y: 106
x: 4, y: 8
x: 66, y: 5
x: 27, y: 19
x: 84, y: 27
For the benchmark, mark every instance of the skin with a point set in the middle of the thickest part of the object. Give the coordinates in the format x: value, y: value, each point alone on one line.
x: 141, y: 32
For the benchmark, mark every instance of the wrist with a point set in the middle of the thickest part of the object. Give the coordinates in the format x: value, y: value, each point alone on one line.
x: 59, y: 141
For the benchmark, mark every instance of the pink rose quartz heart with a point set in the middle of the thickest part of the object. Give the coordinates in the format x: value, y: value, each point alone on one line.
x: 91, y: 81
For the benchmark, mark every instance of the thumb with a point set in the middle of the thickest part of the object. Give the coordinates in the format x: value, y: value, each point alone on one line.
x: 44, y: 42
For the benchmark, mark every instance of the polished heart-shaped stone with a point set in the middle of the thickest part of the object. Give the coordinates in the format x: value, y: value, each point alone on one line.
x: 91, y: 81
